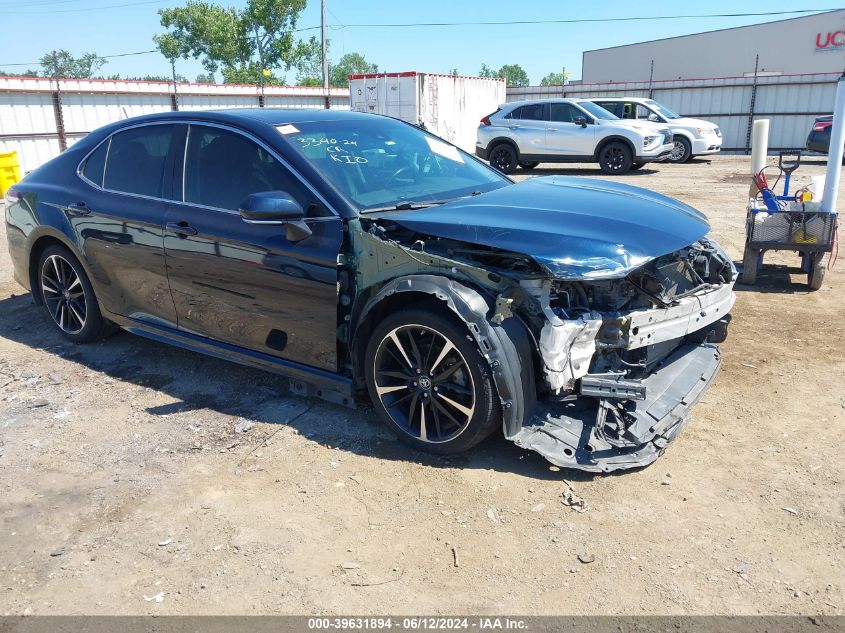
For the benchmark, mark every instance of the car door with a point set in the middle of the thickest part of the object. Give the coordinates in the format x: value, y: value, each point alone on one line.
x: 118, y: 216
x: 564, y: 136
x: 527, y: 126
x: 243, y: 283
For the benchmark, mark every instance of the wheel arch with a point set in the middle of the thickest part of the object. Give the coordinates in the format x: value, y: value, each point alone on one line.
x: 38, y: 244
x: 505, y: 347
x: 615, y: 138
x: 503, y: 140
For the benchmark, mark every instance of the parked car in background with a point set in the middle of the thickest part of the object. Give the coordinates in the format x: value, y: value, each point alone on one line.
x: 526, y: 133
x: 360, y: 256
x: 819, y: 138
x: 692, y: 137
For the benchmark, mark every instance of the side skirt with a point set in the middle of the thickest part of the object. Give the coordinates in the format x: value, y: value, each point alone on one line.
x: 304, y: 380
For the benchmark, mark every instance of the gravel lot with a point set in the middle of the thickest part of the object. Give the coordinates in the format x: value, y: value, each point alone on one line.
x: 124, y: 488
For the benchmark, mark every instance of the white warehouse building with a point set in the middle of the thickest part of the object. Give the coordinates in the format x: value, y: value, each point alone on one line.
x: 807, y: 44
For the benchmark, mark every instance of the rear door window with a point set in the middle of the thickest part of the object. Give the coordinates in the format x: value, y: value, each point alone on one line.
x: 610, y: 106
x: 534, y: 112
x: 137, y: 159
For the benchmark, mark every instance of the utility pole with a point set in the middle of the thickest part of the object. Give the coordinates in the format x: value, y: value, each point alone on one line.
x: 325, y: 51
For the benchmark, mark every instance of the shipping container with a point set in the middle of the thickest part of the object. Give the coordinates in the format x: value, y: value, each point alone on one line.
x: 449, y: 106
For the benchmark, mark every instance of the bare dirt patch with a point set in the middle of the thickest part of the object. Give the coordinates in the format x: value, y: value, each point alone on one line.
x: 125, y: 488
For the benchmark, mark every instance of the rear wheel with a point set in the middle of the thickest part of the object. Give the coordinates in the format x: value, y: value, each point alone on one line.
x: 503, y: 157
x: 815, y: 279
x: 615, y: 158
x: 528, y: 164
x: 68, y: 297
x: 429, y: 383
x: 681, y: 151
x: 750, y: 260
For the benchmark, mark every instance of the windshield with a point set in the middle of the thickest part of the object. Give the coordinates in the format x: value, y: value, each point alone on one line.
x: 663, y: 110
x: 597, y: 111
x: 380, y: 162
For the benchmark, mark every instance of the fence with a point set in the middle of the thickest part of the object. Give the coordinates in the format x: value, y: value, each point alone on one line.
x: 791, y: 102
x: 41, y: 117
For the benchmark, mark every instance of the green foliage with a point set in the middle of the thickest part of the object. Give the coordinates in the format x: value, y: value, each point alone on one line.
x: 513, y: 74
x: 26, y: 73
x: 350, y: 64
x: 62, y: 64
x: 454, y: 72
x: 555, y: 79
x: 206, y: 78
x: 308, y: 58
x: 239, y: 43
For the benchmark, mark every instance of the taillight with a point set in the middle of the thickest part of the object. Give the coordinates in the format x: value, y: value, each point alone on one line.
x: 486, y: 120
x: 12, y: 196
x: 821, y: 126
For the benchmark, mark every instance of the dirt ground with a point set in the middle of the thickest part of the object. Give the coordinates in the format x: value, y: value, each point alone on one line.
x: 124, y: 488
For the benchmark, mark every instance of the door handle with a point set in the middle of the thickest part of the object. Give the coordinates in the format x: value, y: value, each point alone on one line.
x: 78, y: 208
x: 552, y: 129
x: 182, y: 229
x: 515, y: 127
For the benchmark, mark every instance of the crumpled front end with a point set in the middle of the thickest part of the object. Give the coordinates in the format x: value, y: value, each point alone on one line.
x: 624, y: 360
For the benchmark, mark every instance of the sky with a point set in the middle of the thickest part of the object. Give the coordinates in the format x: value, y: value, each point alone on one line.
x: 109, y: 27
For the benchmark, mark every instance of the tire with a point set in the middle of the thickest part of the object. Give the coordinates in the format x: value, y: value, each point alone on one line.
x: 815, y: 279
x: 750, y: 259
x: 615, y: 158
x: 68, y: 298
x: 503, y: 157
x: 528, y: 164
x: 637, y: 166
x: 441, y: 412
x: 681, y: 152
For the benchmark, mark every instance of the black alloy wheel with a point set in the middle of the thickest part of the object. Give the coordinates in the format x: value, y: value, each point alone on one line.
x: 430, y: 384
x: 503, y: 157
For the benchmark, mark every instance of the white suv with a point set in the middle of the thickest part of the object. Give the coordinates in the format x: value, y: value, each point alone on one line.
x: 526, y: 133
x: 693, y: 137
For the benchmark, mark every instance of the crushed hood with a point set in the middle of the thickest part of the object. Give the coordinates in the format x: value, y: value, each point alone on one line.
x: 573, y: 227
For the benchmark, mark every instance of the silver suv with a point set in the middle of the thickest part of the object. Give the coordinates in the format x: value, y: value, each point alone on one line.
x: 526, y: 133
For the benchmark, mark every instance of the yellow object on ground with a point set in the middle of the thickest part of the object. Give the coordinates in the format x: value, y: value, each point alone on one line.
x: 10, y: 171
x: 801, y: 236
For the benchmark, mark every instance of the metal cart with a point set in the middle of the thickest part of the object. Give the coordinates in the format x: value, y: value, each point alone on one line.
x: 798, y: 226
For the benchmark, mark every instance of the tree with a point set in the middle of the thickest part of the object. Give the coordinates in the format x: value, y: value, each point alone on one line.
x: 26, y: 73
x: 454, y: 72
x: 350, y: 64
x: 555, y: 79
x: 242, y: 44
x: 309, y: 62
x: 62, y: 64
x: 206, y: 78
x: 487, y: 72
x: 513, y: 74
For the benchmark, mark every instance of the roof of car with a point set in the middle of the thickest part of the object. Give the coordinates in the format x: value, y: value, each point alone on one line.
x: 533, y: 101
x: 270, y: 116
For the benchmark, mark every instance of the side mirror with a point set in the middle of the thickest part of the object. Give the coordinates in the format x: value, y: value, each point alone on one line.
x: 276, y: 207
x: 653, y: 118
x: 582, y: 121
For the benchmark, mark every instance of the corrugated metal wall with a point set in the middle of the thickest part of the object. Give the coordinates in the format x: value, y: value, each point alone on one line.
x: 36, y: 118
x: 790, y: 102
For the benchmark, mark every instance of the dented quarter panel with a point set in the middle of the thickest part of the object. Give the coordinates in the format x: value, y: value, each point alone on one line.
x: 572, y: 228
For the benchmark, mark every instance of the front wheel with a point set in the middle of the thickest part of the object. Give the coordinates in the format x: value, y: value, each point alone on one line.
x: 429, y: 383
x: 681, y: 151
x: 528, y: 164
x: 503, y: 157
x: 615, y: 159
x: 815, y: 279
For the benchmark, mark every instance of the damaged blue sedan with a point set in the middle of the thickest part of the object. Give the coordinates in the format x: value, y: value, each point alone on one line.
x: 364, y: 258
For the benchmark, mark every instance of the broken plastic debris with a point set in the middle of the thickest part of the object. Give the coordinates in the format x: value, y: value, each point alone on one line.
x: 159, y: 597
